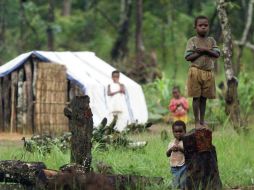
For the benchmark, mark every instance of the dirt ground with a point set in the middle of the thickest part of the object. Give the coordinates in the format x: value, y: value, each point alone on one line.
x: 12, y: 136
x: 10, y: 139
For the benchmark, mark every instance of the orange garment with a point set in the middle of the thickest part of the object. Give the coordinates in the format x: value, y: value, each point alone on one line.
x: 179, y: 107
x: 181, y: 118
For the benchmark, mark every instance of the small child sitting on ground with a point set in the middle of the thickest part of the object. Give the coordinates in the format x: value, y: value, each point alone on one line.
x: 176, y: 153
x: 179, y: 106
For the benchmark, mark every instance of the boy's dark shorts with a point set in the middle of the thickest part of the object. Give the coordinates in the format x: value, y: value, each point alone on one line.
x: 201, y: 83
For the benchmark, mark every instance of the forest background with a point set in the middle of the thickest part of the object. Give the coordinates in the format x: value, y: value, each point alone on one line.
x: 143, y: 39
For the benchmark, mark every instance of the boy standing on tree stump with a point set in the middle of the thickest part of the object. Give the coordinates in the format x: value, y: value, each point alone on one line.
x: 202, y: 52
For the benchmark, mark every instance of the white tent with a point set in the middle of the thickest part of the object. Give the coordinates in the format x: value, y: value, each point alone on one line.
x: 93, y: 75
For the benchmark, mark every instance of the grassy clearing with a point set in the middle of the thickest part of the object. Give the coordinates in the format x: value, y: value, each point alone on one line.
x: 235, y: 156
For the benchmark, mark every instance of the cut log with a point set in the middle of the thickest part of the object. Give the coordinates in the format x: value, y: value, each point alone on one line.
x: 73, y: 174
x: 81, y: 127
x: 34, y: 175
x: 201, y: 161
x: 26, y: 173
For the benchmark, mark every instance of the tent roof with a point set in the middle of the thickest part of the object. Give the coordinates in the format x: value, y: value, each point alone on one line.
x: 93, y: 75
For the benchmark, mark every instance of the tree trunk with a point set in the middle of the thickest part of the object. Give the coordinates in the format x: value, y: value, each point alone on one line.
x: 173, y: 40
x: 2, y: 22
x: 66, y: 10
x: 244, y: 36
x: 139, y: 41
x: 201, y: 161
x: 2, y: 26
x: 120, y: 48
x: 22, y: 25
x: 232, y: 101
x: 81, y: 127
x: 164, y: 50
x: 51, y: 19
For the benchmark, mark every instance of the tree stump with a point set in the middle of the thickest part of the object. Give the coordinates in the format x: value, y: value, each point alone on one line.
x: 81, y: 127
x: 201, y: 161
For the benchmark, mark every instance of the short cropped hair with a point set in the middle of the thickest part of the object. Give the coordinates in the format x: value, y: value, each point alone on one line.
x: 200, y: 17
x: 176, y: 88
x: 179, y: 123
x: 115, y: 72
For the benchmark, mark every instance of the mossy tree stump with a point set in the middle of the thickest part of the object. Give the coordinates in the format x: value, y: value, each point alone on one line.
x: 81, y: 127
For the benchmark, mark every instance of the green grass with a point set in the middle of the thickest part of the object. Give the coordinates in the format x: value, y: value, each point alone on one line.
x: 235, y: 157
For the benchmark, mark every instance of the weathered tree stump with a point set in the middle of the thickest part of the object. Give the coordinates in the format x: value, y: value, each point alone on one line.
x: 26, y: 173
x: 81, y: 127
x: 201, y: 161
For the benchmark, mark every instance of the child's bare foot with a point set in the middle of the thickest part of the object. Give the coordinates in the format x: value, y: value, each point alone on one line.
x: 198, y: 126
x: 204, y: 126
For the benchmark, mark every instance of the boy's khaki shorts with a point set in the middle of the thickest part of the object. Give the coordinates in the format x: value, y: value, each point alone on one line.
x: 201, y: 83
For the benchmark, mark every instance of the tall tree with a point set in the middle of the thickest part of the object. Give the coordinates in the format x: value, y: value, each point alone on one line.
x: 173, y: 39
x: 120, y: 47
x: 66, y: 9
x: 232, y: 101
x: 241, y: 44
x: 51, y: 19
x: 22, y: 25
x: 2, y: 26
x: 139, y: 41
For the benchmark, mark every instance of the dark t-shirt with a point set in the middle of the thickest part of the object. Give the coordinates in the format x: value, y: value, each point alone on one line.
x: 204, y: 62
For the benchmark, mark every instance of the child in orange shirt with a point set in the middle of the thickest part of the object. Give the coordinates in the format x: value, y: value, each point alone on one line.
x: 179, y: 106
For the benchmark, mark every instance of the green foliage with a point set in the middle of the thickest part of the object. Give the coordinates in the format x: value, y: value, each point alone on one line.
x: 216, y: 108
x: 45, y: 143
x: 215, y: 112
x: 246, y: 95
x: 158, y: 94
x: 93, y: 26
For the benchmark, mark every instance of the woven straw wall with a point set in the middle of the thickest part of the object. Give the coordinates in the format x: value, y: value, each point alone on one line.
x: 51, y: 98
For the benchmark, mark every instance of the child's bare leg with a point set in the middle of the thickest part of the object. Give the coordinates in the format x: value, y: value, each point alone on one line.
x: 196, y: 110
x: 202, y: 109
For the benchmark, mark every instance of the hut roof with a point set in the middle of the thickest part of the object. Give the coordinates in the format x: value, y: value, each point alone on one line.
x: 93, y: 75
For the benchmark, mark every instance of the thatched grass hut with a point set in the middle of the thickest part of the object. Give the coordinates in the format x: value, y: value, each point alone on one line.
x: 36, y: 86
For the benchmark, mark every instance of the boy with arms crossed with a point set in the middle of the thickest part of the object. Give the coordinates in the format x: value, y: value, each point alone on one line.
x: 202, y: 52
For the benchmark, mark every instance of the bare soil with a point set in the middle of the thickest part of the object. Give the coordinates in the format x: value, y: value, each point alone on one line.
x: 12, y: 136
